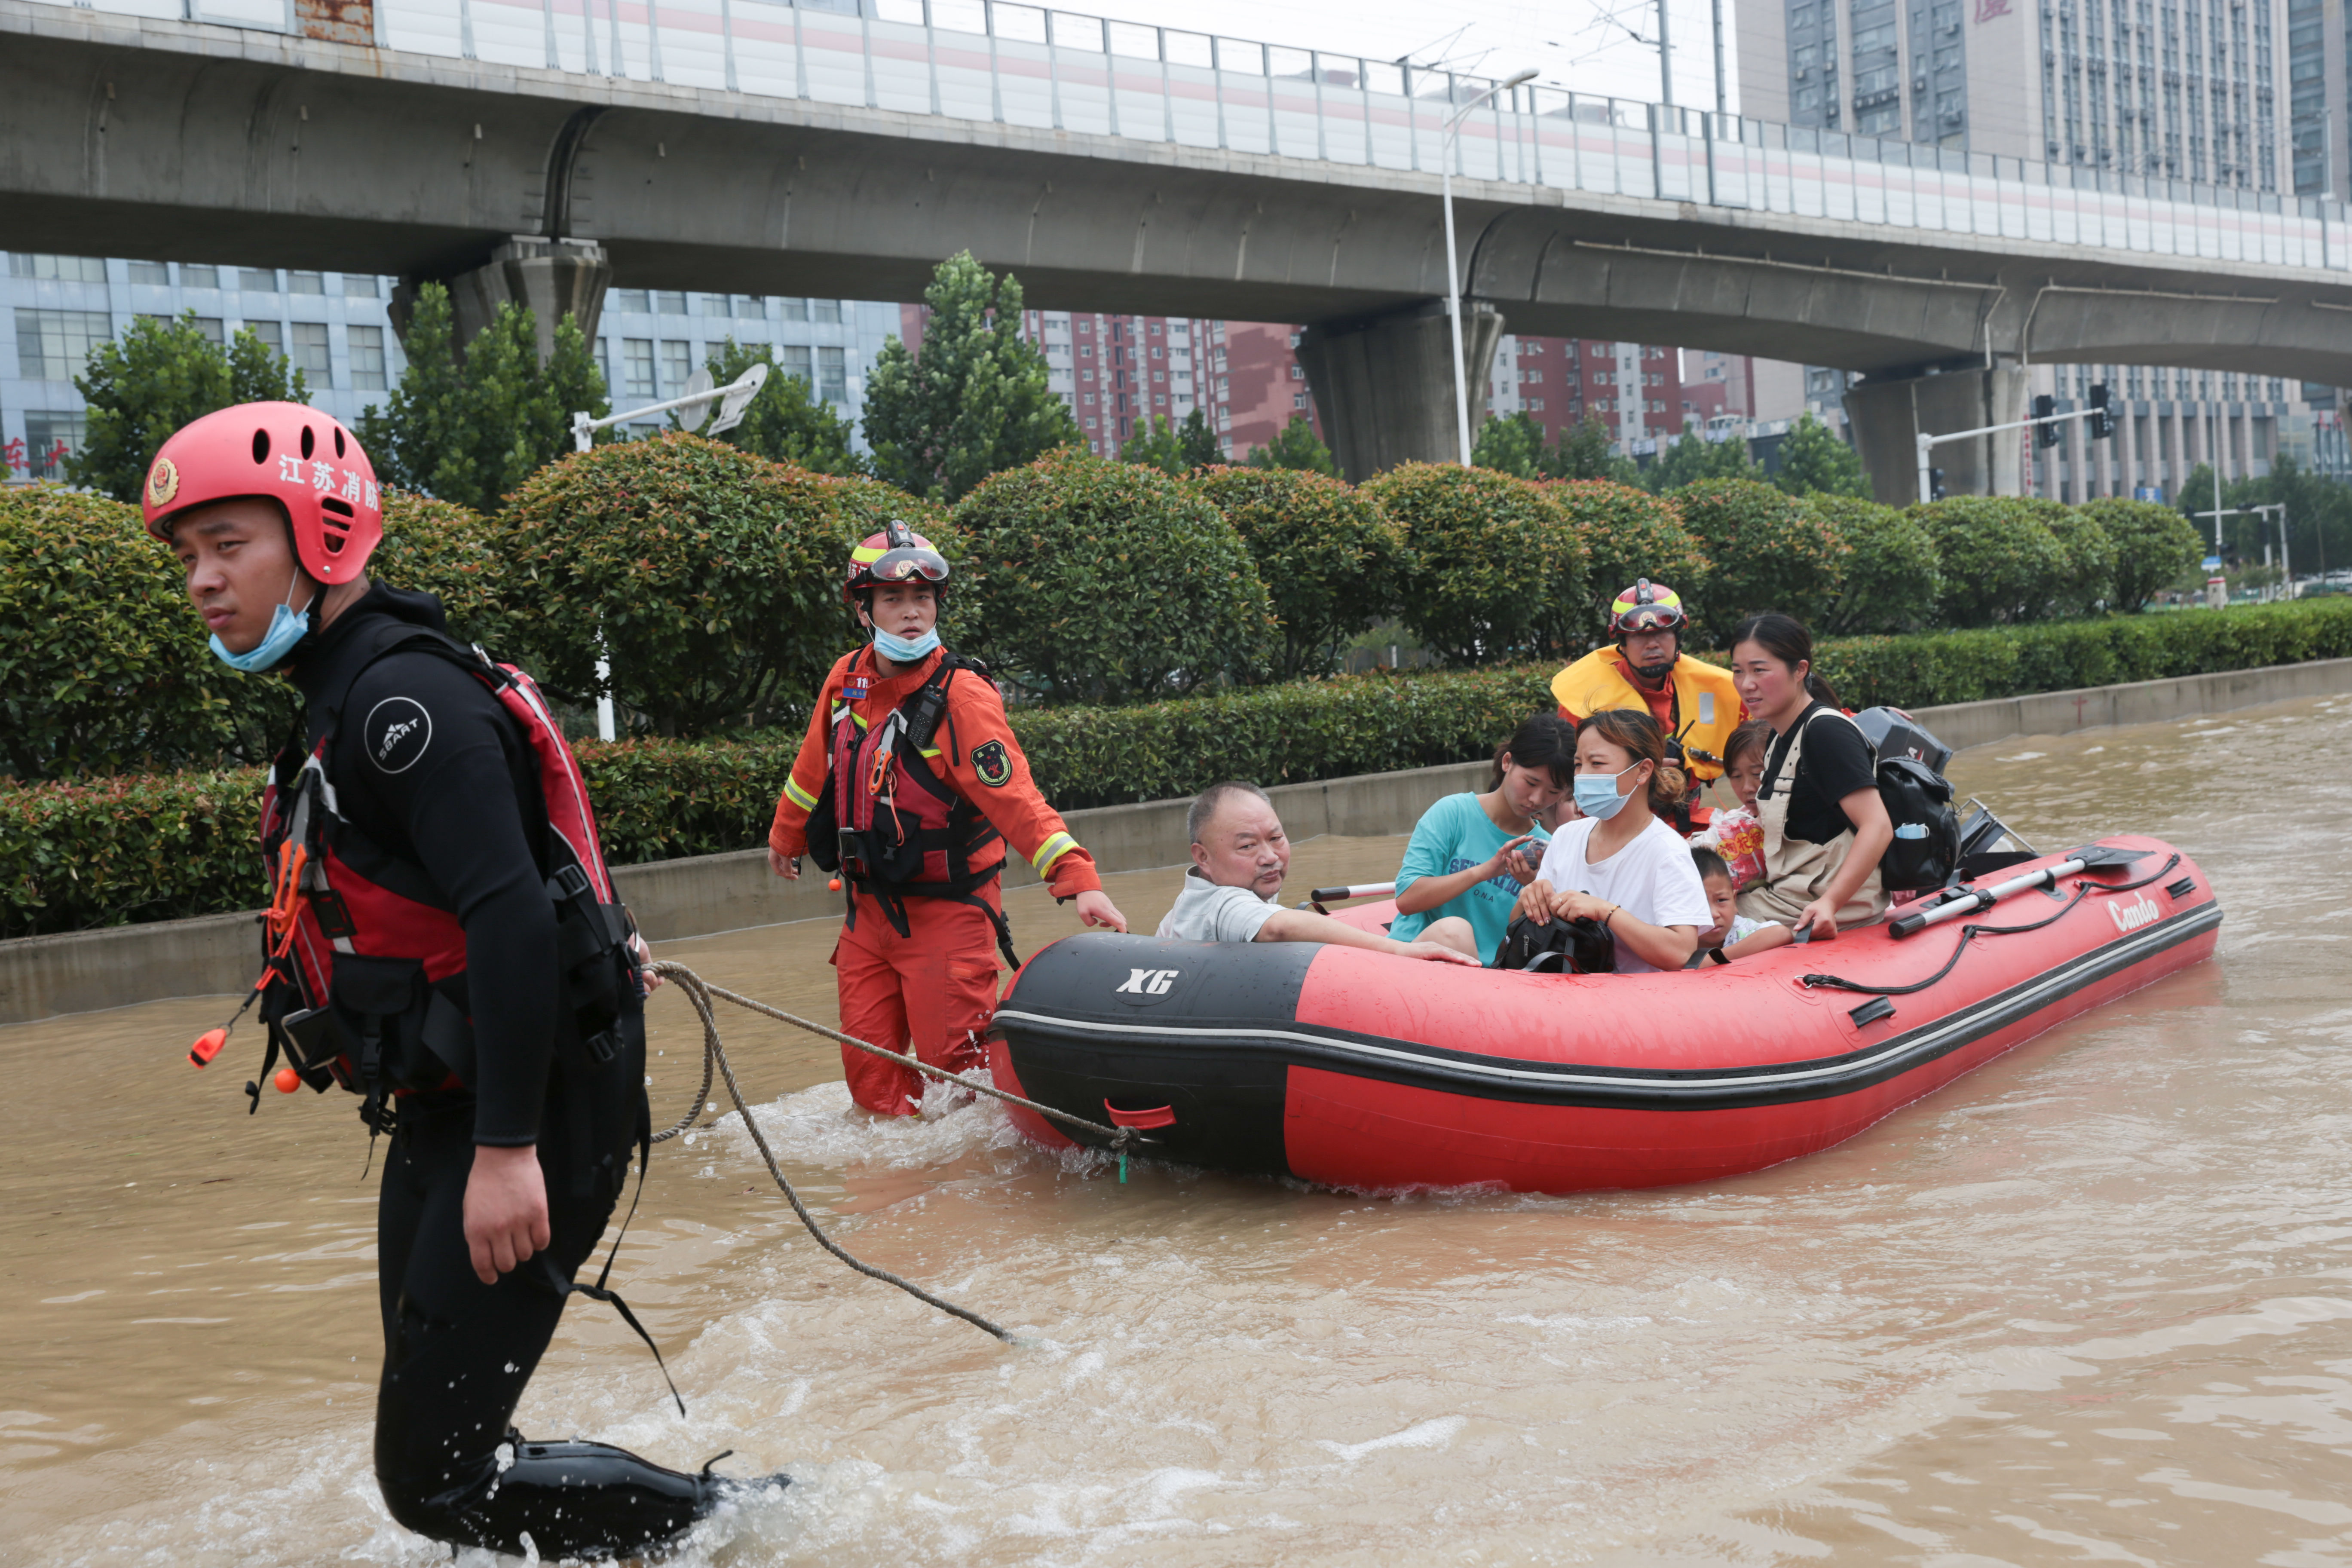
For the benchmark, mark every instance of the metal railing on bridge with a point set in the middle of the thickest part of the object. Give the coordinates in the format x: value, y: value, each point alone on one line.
x: 1058, y: 70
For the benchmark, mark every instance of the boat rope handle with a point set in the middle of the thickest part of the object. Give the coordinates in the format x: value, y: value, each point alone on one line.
x: 699, y: 991
x: 1836, y: 982
x: 2161, y: 873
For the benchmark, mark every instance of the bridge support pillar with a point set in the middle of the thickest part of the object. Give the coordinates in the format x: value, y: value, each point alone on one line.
x: 1384, y: 385
x: 550, y: 278
x: 1888, y: 413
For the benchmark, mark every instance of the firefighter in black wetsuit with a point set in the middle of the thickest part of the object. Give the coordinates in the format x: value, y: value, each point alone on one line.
x: 445, y: 942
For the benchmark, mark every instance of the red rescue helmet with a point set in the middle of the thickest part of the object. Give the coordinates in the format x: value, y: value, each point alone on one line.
x: 302, y: 459
x: 1647, y: 607
x: 897, y: 554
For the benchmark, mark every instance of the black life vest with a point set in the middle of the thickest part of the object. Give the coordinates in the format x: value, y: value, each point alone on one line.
x: 886, y: 820
x: 372, y: 958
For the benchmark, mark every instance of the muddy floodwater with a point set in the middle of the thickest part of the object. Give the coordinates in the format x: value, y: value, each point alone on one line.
x: 2092, y: 1303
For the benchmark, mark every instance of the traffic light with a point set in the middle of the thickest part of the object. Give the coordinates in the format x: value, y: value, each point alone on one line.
x: 2046, y: 435
x: 1935, y: 484
x: 2103, y: 424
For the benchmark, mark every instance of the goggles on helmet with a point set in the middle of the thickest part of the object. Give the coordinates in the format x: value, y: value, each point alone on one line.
x: 908, y: 563
x: 1647, y: 607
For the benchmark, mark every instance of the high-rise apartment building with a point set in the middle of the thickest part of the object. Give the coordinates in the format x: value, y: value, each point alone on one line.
x: 333, y: 327
x: 2185, y: 89
x: 1635, y: 390
x: 2244, y: 94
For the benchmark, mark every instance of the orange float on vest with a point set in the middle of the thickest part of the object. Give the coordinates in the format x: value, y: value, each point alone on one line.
x: 287, y: 1080
x: 208, y: 1046
x: 834, y: 886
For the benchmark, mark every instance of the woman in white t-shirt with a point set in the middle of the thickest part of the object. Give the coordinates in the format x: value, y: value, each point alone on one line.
x: 1620, y: 864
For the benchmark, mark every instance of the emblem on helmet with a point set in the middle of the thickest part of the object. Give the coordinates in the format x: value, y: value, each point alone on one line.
x: 163, y: 483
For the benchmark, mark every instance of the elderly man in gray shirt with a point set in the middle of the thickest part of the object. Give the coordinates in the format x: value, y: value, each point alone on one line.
x: 1240, y: 855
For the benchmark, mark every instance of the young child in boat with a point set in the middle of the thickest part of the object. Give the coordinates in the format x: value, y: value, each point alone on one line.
x: 1735, y: 833
x: 1471, y: 854
x: 1733, y: 935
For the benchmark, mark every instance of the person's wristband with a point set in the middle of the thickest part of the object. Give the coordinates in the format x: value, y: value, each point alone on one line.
x: 1614, y: 910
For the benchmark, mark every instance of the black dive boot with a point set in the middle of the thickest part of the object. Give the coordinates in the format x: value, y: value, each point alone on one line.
x: 574, y: 1498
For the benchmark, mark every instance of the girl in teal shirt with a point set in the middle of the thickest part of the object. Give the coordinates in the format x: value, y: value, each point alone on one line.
x: 1471, y: 854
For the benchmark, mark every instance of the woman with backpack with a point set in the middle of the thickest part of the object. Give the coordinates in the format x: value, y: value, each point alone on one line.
x: 1824, y: 824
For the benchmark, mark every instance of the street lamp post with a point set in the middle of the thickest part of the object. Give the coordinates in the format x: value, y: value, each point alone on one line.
x: 1453, y: 274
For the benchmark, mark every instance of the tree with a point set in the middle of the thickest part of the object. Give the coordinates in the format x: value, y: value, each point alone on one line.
x: 1156, y: 444
x: 1297, y: 447
x: 1890, y: 578
x: 2154, y: 548
x: 1497, y: 570
x: 1510, y: 444
x: 1629, y: 534
x: 158, y: 377
x: 711, y: 576
x: 471, y: 427
x: 2084, y: 588
x: 1999, y: 558
x: 1583, y: 454
x: 1769, y: 554
x: 1332, y: 563
x: 1815, y: 461
x: 975, y: 402
x: 1108, y: 582
x: 1198, y: 441
x: 1694, y: 458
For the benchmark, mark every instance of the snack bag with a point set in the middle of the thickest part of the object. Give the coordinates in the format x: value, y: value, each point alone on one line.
x: 1739, y: 837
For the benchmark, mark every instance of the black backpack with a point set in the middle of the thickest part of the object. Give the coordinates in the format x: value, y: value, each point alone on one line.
x: 1926, y: 850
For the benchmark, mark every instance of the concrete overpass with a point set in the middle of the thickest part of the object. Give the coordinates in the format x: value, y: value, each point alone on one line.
x: 542, y: 149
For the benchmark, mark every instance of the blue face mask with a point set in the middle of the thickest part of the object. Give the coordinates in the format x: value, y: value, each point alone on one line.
x: 1597, y: 796
x: 288, y: 627
x: 905, y: 650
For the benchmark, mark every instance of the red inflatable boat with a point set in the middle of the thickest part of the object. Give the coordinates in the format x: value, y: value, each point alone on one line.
x: 1360, y: 1070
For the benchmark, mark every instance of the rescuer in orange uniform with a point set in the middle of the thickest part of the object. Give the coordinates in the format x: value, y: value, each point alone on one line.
x: 910, y: 775
x: 1694, y: 701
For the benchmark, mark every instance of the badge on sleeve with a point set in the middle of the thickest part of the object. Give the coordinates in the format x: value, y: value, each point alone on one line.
x: 397, y: 732
x: 992, y: 763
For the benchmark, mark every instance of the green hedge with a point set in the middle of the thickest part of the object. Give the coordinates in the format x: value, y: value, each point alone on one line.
x: 1937, y: 668
x: 167, y: 846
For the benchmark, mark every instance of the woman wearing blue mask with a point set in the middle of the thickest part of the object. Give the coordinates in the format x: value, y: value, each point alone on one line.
x: 1620, y: 864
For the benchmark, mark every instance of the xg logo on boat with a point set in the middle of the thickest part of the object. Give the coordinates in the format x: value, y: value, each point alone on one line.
x: 1146, y: 986
x: 2134, y: 915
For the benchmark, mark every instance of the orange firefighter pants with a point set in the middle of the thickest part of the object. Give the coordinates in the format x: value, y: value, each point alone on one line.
x: 931, y: 991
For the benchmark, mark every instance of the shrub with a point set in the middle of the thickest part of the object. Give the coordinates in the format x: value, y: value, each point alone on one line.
x: 1498, y: 572
x: 103, y: 665
x: 1770, y: 553
x: 133, y: 848
x: 452, y: 553
x: 714, y: 578
x: 2154, y: 546
x: 1998, y: 558
x: 1108, y: 582
x: 1332, y: 564
x: 75, y: 856
x: 1973, y: 666
x: 1629, y: 534
x: 2083, y: 588
x: 1891, y: 578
